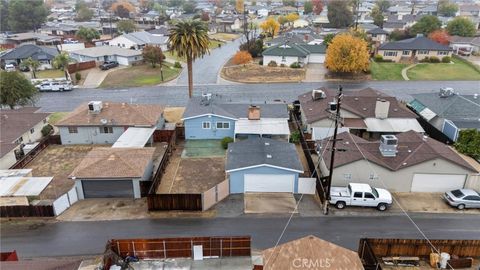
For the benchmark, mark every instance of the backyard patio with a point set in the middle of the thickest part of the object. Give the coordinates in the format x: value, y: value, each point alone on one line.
x: 203, y: 148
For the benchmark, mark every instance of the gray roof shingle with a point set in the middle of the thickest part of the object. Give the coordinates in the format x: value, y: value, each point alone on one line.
x: 31, y: 50
x: 254, y: 152
x: 417, y: 43
x: 196, y: 107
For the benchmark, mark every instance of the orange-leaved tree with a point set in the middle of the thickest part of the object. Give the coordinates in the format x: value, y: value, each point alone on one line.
x: 347, y: 54
x: 242, y: 58
x: 270, y: 26
x: 291, y: 17
x: 440, y: 36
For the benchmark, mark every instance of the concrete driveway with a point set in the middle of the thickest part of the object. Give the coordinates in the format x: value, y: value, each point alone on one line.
x: 268, y: 203
x: 315, y: 73
x: 96, y: 76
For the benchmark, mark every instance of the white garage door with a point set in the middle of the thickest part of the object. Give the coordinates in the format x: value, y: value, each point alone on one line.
x: 269, y: 182
x: 316, y: 58
x: 122, y: 60
x: 437, y: 182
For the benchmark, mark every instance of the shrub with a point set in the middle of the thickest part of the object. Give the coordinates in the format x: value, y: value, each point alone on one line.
x: 283, y: 65
x: 295, y: 137
x: 425, y: 60
x: 260, y: 62
x: 295, y: 65
x: 446, y: 59
x: 242, y: 58
x: 177, y: 65
x: 378, y: 58
x: 226, y: 141
x: 78, y: 76
x: 46, y: 130
x: 272, y: 64
x: 434, y: 59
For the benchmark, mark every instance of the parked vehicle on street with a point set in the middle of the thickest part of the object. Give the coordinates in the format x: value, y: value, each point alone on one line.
x: 24, y: 68
x: 108, y: 65
x: 462, y: 198
x: 9, y: 67
x: 55, y: 86
x: 356, y: 194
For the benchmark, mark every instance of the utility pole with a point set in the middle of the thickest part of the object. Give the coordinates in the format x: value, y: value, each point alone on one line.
x: 332, y: 155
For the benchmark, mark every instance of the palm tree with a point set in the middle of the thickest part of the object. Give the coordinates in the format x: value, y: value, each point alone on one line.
x: 189, y: 39
x: 61, y: 61
x: 33, y: 65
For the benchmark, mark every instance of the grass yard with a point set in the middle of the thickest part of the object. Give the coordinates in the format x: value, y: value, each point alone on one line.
x: 172, y: 55
x: 55, y: 117
x: 50, y: 74
x: 386, y: 71
x: 459, y: 70
x: 225, y: 36
x: 141, y: 75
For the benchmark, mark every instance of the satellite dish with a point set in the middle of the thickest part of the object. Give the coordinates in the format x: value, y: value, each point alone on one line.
x: 104, y: 121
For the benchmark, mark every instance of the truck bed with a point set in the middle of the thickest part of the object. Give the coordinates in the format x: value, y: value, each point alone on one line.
x: 339, y: 192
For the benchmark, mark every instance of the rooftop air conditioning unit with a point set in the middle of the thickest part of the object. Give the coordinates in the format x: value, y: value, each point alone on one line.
x: 318, y: 94
x: 388, y: 145
x: 95, y: 106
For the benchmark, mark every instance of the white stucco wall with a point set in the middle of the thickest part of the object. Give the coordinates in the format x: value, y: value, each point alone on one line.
x: 288, y: 60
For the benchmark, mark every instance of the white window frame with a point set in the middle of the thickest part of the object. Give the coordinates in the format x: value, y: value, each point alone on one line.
x: 72, y: 130
x: 423, y: 52
x: 222, y: 125
x: 347, y: 176
x: 209, y: 124
x: 442, y: 53
x: 106, y: 130
x: 406, y: 52
x: 32, y: 130
x: 372, y: 176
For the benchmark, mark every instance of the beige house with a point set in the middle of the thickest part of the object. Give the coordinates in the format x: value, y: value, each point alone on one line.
x: 18, y: 128
x: 367, y: 113
x: 378, y: 35
x: 407, y: 162
x: 413, y: 49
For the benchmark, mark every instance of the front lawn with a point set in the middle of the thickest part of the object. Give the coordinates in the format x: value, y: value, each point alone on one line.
x: 225, y: 36
x: 55, y: 117
x: 173, y: 55
x: 459, y: 70
x: 50, y: 74
x: 141, y: 75
x: 386, y: 71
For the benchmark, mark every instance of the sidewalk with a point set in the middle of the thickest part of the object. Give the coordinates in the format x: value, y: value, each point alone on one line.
x: 404, y: 72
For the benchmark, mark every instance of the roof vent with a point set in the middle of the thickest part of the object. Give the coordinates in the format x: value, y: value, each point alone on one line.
x: 446, y: 92
x: 475, y: 96
x: 206, y: 98
x: 382, y: 107
x: 356, y: 98
x: 318, y: 94
x: 269, y: 156
x: 388, y: 145
x: 95, y: 106
x: 267, y: 143
x: 332, y: 106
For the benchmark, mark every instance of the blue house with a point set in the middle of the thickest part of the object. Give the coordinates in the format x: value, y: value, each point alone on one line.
x: 206, y: 118
x: 263, y: 165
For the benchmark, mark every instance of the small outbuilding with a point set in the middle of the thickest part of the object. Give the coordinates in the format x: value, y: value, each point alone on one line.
x: 263, y: 165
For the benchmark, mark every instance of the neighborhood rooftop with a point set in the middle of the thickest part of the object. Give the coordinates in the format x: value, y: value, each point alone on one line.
x: 101, y: 51
x: 259, y: 151
x: 416, y: 43
x: 108, y: 162
x: 294, y: 50
x: 143, y: 37
x: 197, y: 107
x: 30, y: 50
x: 116, y: 114
x: 413, y: 148
x: 14, y: 123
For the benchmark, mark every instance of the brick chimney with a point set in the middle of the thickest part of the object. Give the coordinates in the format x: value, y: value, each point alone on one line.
x: 254, y: 113
x: 381, y: 108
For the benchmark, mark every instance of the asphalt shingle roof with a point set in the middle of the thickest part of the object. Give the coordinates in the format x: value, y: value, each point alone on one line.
x: 252, y: 152
x: 459, y: 109
x: 196, y: 107
x: 377, y: 31
x: 286, y: 50
x: 416, y: 43
x: 31, y: 50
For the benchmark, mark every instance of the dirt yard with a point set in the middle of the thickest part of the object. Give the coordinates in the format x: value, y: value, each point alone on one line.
x: 191, y: 175
x: 58, y: 161
x: 254, y: 73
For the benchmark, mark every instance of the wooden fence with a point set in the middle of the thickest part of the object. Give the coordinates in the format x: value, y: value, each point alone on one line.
x: 46, y: 141
x: 371, y: 249
x: 163, y: 248
x: 27, y: 211
x: 175, y: 201
x: 74, y: 67
x: 157, y: 177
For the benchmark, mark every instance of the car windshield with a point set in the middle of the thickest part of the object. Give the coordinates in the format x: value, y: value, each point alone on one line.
x: 457, y: 193
x: 375, y: 192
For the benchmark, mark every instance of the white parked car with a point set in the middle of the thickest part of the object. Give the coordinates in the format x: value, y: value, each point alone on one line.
x: 360, y: 195
x: 55, y: 86
x: 10, y: 67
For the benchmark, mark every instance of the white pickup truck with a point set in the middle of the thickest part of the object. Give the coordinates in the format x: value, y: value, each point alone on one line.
x: 360, y: 195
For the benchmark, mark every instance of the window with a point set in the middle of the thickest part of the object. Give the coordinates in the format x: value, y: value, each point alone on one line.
x: 389, y: 53
x: 472, y: 198
x: 106, y: 129
x: 357, y: 195
x: 369, y: 196
x: 442, y: 53
x: 422, y: 52
x: 347, y: 176
x: 283, y: 59
x: 19, y: 140
x: 32, y: 131
x: 206, y: 125
x: 374, y: 35
x: 405, y: 52
x: 72, y: 130
x: 372, y: 176
x: 223, y: 125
